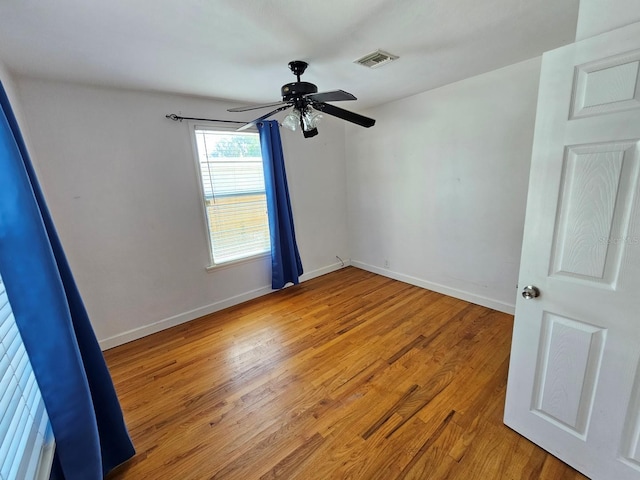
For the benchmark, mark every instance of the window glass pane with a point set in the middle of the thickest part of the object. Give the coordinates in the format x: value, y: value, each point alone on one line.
x: 234, y: 197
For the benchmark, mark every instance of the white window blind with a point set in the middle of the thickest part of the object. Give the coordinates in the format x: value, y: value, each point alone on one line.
x: 26, y: 440
x: 232, y: 180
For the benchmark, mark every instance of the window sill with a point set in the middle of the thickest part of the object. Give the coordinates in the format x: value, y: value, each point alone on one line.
x: 233, y: 263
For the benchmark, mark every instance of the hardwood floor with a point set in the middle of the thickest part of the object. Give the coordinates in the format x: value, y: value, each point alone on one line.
x: 347, y: 376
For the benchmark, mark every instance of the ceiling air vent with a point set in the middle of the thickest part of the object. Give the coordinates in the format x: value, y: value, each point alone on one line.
x: 376, y: 59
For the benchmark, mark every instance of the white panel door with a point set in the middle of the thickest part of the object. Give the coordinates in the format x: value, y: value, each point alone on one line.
x: 574, y: 378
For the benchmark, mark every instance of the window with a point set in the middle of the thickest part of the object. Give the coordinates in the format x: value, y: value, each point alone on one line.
x: 26, y: 440
x: 232, y: 180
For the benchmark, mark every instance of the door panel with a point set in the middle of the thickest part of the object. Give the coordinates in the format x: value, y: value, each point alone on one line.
x: 631, y: 438
x: 574, y: 385
x: 568, y: 366
x: 596, y: 194
x: 607, y: 85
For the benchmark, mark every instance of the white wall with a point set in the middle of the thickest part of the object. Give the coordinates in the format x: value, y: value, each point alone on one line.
x: 9, y: 87
x: 438, y: 186
x: 599, y: 16
x: 121, y: 183
x: 6, y: 80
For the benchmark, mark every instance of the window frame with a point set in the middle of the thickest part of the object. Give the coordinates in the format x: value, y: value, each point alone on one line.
x: 216, y: 127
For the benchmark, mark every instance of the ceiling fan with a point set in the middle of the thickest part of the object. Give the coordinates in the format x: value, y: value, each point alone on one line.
x: 307, y: 105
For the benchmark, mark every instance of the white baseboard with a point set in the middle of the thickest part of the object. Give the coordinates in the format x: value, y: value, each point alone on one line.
x: 452, y: 292
x: 324, y: 270
x: 184, y: 317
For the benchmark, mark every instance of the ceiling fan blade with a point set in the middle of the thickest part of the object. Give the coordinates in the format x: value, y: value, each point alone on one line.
x: 258, y: 120
x: 344, y: 114
x: 333, y: 96
x: 255, y: 107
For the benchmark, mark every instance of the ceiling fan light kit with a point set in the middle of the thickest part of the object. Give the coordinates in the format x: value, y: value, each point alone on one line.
x: 309, y: 121
x: 308, y: 105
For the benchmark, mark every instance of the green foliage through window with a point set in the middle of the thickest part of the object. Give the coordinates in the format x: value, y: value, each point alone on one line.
x: 236, y: 146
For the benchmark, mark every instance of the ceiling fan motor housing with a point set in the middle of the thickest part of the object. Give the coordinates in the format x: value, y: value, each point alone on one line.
x: 294, y: 90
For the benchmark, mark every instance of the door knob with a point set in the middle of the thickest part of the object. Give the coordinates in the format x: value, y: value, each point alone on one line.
x: 530, y: 292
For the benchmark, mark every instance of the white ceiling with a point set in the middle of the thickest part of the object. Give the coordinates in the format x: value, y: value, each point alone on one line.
x: 239, y: 50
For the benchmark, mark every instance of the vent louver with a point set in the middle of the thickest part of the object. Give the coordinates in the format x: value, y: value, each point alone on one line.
x: 376, y: 59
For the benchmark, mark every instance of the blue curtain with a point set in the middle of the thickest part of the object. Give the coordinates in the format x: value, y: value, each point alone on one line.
x: 86, y: 418
x: 286, y: 265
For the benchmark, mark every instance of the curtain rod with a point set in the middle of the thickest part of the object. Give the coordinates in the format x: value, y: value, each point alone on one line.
x: 175, y: 118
